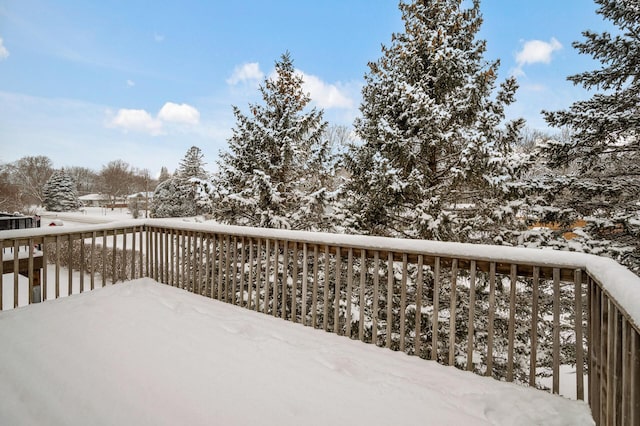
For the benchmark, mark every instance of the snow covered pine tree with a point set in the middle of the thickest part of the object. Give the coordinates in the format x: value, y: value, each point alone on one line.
x: 60, y: 193
x: 275, y: 170
x: 188, y: 192
x: 434, y: 162
x: 602, y: 186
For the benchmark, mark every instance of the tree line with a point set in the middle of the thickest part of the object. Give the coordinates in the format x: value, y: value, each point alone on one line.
x: 32, y: 181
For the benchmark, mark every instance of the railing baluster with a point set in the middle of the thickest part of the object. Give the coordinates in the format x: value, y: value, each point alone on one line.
x: 362, y: 303
x: 294, y: 287
x: 611, y: 320
x: 227, y: 269
x: 452, y: 312
x: 147, y: 252
x: 556, y: 331
x: 512, y: 321
x: 336, y: 297
x: 604, y: 342
x: 175, y: 258
x: 349, y: 292
x: 30, y: 247
x: 234, y: 270
x: 45, y: 275
x: 113, y: 260
x: 242, y: 274
x: 16, y: 268
x: 590, y: 340
x: 143, y: 254
x: 390, y: 279
x: 250, y: 280
x: 403, y: 301
x: 595, y: 353
x: 625, y: 349
x: 156, y: 254
x: 276, y: 268
x: 258, y: 273
x: 92, y: 281
x: 417, y: 347
x: 634, y: 374
x: 82, y: 266
x: 472, y: 315
x: 436, y: 309
x: 314, y: 292
x: 70, y: 265
x: 267, y: 267
x: 2, y: 273
x: 165, y: 252
x: 325, y: 300
x: 376, y: 289
x: 123, y: 267
x: 577, y: 280
x: 615, y: 356
x: 184, y: 278
x: 208, y: 282
x: 314, y: 295
x: 134, y: 232
x: 534, y: 327
x: 492, y: 315
x: 285, y: 278
x: 58, y: 265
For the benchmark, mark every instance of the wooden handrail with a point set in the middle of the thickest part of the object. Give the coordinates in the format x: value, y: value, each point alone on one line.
x: 508, y: 313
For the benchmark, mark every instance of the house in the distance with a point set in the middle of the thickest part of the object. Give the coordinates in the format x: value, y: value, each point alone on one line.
x: 94, y: 200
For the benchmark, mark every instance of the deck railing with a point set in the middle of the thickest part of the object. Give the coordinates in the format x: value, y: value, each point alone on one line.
x: 513, y: 314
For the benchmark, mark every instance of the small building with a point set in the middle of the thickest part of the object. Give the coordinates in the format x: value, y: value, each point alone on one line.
x: 94, y: 200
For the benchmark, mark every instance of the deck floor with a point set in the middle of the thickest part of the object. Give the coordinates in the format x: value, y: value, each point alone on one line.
x: 145, y: 353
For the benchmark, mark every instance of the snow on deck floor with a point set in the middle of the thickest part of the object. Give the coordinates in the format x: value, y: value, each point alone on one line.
x: 148, y: 354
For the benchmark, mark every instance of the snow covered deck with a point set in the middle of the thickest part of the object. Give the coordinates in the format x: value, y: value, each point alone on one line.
x: 148, y: 354
x: 515, y: 315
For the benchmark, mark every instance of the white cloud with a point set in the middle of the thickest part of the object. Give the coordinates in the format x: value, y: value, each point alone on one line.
x: 325, y: 95
x: 4, y: 53
x: 131, y: 83
x: 159, y: 38
x: 137, y: 120
x: 535, y: 51
x: 179, y: 113
x: 249, y: 72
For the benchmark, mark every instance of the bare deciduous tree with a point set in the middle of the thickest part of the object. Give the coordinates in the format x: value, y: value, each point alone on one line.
x: 116, y: 180
x: 30, y: 174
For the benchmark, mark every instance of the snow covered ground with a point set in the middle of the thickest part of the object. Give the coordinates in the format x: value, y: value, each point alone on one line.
x: 148, y: 354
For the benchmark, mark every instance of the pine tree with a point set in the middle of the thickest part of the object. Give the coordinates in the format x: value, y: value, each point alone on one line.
x: 596, y: 172
x: 192, y: 165
x: 164, y: 174
x: 434, y: 162
x: 170, y: 200
x: 274, y: 172
x: 60, y: 194
x: 188, y: 192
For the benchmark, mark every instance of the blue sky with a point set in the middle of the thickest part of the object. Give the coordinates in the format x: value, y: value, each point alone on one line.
x: 88, y: 82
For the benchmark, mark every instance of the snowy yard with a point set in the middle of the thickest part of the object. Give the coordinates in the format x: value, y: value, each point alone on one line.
x: 146, y: 353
